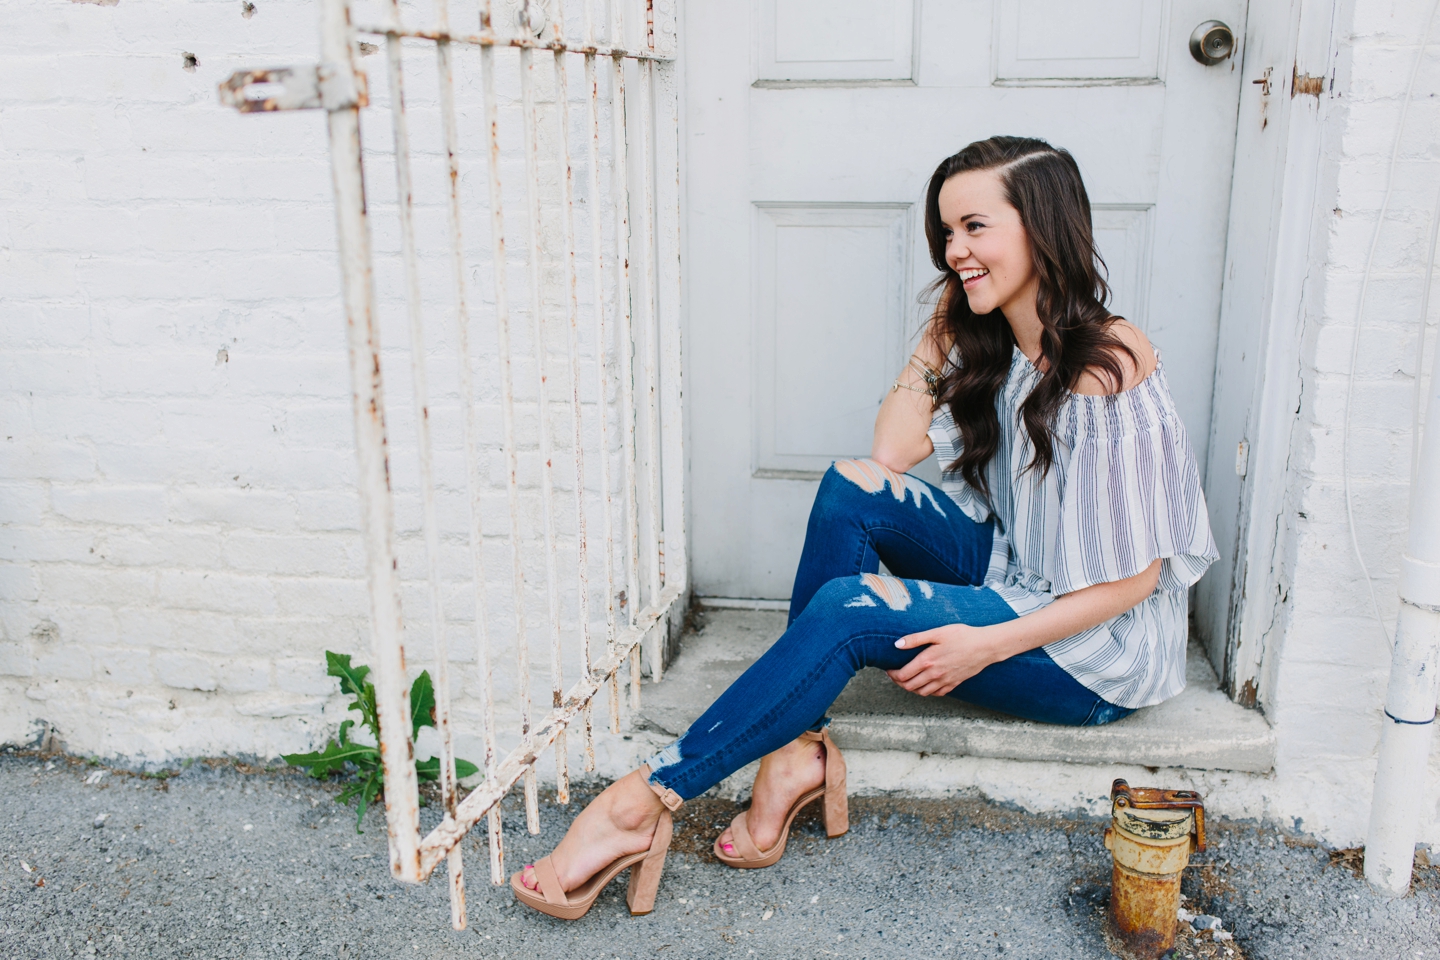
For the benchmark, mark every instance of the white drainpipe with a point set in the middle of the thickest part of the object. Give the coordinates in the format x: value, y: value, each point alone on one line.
x: 1400, y: 778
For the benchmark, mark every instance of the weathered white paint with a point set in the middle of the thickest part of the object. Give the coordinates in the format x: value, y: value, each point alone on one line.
x: 1322, y: 658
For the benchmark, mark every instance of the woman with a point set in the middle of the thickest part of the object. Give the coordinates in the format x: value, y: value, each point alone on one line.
x: 1047, y: 580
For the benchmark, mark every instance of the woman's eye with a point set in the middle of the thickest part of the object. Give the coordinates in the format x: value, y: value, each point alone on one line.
x: 973, y: 226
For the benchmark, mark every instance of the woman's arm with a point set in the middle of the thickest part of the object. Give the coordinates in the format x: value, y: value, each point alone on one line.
x: 904, y: 418
x: 958, y: 652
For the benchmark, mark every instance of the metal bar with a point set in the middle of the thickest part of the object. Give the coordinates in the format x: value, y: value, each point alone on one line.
x: 567, y: 214
x: 522, y: 758
x: 368, y: 402
x: 602, y: 380
x: 404, y: 187
x: 535, y: 270
x: 649, y: 347
x: 669, y: 293
x: 473, y: 484
x: 484, y: 662
x: 487, y: 38
x: 507, y: 406
x: 621, y: 200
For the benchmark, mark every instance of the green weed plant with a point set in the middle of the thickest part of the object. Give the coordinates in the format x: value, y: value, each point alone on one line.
x: 342, y: 754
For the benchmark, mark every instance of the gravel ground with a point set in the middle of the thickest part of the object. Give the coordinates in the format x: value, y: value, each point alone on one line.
x: 222, y: 860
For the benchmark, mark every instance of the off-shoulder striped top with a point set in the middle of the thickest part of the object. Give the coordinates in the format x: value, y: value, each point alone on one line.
x: 1123, y: 492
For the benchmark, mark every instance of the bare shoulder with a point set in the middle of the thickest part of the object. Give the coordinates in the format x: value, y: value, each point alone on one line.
x: 1094, y: 382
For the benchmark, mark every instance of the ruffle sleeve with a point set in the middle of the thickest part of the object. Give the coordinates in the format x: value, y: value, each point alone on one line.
x: 1130, y: 494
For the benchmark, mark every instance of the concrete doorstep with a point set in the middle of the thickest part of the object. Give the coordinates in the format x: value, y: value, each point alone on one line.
x: 1200, y: 729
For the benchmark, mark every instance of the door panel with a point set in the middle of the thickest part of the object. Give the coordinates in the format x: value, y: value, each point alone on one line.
x: 1078, y: 39
x: 802, y: 178
x: 1122, y: 232
x: 836, y: 39
x: 831, y: 283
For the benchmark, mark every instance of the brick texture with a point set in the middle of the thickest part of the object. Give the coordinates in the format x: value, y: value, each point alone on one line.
x: 178, y: 514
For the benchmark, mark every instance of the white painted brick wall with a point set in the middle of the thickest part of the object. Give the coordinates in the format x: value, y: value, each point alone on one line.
x: 1334, y: 660
x: 178, y: 513
x: 158, y: 524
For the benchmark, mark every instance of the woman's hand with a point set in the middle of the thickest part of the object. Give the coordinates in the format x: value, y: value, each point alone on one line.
x: 955, y: 653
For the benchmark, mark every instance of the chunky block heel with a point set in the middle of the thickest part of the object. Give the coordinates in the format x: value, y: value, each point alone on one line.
x: 645, y: 870
x: 836, y: 811
x: 645, y: 875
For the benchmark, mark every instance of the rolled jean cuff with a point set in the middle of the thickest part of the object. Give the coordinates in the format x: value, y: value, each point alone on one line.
x: 667, y: 759
x: 658, y: 762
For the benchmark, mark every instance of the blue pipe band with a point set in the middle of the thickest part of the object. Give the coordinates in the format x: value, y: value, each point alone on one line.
x: 1418, y: 723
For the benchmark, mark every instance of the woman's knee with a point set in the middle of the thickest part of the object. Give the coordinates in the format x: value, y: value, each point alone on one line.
x: 861, y: 617
x: 858, y: 483
x: 848, y: 491
x: 869, y: 603
x: 837, y: 495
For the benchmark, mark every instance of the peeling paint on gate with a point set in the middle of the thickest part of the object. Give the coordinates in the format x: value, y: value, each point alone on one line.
x: 338, y: 87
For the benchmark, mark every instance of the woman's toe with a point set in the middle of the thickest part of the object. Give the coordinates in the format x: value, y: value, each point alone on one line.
x: 527, y: 877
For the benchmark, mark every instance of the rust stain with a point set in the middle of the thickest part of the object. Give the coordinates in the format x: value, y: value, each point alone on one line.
x: 1264, y: 84
x: 1248, y: 695
x: 1303, y: 83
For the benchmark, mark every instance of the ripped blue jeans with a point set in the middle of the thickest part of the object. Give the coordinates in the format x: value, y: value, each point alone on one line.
x: 845, y: 616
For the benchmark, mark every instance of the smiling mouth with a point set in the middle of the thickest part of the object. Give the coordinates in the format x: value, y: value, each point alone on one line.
x: 970, y: 276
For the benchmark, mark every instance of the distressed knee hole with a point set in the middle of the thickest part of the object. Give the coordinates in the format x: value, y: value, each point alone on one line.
x: 869, y: 475
x: 890, y: 589
x: 873, y: 476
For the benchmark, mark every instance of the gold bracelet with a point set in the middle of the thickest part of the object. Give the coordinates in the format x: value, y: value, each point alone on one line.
x: 897, y: 385
x: 931, y: 378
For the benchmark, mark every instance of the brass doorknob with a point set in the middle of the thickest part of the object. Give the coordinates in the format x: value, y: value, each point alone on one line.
x: 1212, y: 42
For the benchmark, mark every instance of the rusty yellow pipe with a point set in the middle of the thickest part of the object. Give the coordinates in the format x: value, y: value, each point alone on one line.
x: 1151, y: 836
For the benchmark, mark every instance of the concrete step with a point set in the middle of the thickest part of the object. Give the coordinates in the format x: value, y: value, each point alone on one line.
x: 1200, y: 729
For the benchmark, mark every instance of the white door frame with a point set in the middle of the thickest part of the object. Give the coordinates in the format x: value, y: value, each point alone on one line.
x: 1276, y: 168
x: 1274, y: 228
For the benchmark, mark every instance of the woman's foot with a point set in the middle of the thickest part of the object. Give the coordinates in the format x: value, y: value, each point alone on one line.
x: 785, y: 775
x: 619, y: 822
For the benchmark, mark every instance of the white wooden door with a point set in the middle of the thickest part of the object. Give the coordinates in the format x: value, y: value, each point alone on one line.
x: 810, y: 130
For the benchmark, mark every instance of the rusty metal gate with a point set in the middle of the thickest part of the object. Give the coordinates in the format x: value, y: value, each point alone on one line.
x: 601, y: 277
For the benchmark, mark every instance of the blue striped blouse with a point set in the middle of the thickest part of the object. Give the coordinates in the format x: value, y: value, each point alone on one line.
x: 1123, y: 492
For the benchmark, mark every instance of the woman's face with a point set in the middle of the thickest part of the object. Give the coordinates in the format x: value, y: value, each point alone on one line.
x: 985, y: 244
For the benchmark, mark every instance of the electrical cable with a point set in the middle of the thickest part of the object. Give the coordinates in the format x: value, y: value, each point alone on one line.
x: 1359, y: 316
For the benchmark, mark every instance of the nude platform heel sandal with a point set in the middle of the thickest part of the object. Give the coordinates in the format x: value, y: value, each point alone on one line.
x: 837, y: 813
x: 645, y: 870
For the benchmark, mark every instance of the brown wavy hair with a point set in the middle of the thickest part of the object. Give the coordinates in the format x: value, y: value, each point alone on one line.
x: 1043, y: 184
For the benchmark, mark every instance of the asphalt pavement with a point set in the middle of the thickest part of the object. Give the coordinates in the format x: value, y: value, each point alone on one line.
x: 217, y: 859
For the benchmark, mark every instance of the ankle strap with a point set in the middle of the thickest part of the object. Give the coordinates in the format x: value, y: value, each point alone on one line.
x: 834, y: 762
x: 672, y: 800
